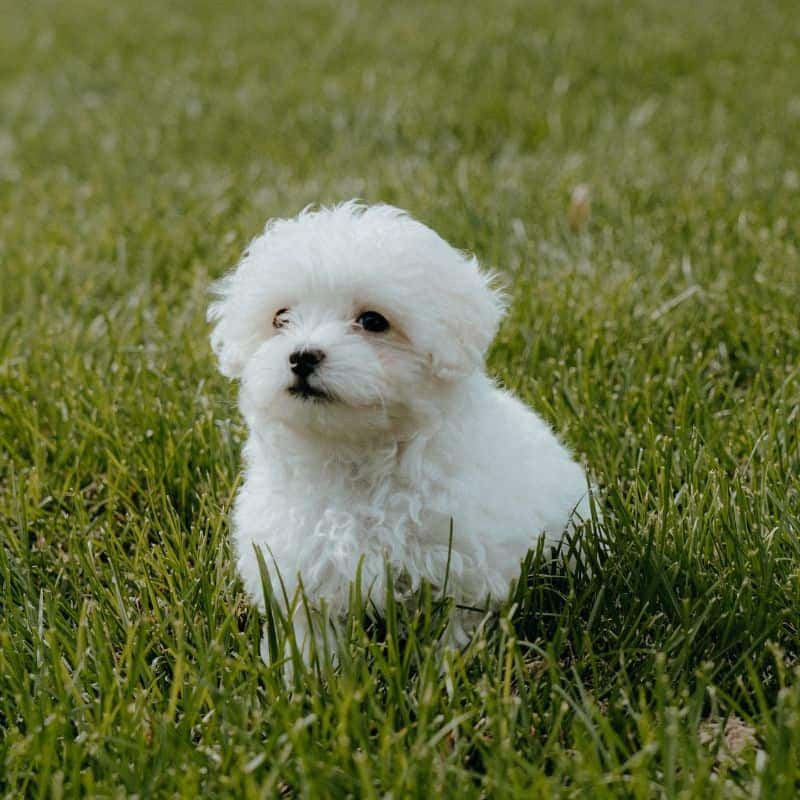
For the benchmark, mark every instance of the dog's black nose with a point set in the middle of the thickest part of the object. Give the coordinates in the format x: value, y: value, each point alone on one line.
x: 304, y: 362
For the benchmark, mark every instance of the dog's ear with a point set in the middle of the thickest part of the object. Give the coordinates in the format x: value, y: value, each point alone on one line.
x: 238, y: 310
x: 466, y: 315
x: 243, y: 297
x: 225, y: 335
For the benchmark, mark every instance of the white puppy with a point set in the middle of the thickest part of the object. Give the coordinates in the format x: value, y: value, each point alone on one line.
x: 359, y: 335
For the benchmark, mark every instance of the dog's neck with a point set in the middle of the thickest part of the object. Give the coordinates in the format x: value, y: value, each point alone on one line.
x: 369, y: 456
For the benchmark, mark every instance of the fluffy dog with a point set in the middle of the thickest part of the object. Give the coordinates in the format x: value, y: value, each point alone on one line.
x: 358, y: 335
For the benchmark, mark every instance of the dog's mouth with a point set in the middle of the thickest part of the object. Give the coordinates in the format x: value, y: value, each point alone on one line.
x: 305, y: 391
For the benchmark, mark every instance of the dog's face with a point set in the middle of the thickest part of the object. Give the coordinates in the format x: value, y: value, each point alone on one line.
x: 349, y: 320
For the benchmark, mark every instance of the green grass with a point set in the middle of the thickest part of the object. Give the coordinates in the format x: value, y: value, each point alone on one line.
x: 143, y: 144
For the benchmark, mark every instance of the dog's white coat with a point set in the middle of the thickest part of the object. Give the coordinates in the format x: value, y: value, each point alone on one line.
x: 416, y: 434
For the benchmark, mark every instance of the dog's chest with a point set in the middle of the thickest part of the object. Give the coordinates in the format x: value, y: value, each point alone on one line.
x: 326, y: 521
x: 377, y: 502
x: 349, y: 502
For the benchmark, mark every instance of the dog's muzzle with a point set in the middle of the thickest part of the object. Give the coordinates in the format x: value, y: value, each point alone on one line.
x: 303, y: 363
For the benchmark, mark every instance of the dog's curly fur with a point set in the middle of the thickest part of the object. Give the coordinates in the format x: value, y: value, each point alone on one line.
x: 394, y: 433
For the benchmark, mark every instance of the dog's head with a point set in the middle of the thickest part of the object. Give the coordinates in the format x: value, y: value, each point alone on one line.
x: 349, y: 318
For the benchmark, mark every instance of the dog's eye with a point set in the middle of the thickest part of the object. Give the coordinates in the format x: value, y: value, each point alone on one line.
x: 279, y: 320
x: 373, y: 322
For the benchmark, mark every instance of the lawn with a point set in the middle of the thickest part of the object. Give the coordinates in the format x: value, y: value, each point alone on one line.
x: 143, y: 144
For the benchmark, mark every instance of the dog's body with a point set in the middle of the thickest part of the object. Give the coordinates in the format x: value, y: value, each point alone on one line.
x: 359, y: 336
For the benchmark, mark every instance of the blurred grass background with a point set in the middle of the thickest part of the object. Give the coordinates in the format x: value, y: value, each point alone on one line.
x: 142, y: 145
